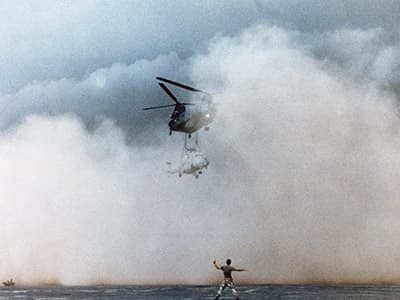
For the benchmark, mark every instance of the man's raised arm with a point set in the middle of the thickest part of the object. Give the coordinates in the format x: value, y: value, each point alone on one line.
x: 216, y: 265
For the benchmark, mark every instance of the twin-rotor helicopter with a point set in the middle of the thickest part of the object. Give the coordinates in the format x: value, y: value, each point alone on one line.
x: 188, y: 117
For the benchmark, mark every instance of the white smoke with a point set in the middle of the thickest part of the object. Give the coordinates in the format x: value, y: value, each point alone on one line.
x: 302, y: 184
x: 319, y: 151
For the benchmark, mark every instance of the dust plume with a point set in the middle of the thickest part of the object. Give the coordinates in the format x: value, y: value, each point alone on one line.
x: 302, y: 185
x: 315, y: 177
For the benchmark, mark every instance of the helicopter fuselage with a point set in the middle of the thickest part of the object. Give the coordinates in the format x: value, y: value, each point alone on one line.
x: 193, y: 118
x: 187, y: 117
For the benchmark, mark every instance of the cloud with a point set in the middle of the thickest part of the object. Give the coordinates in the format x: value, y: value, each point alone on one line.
x: 316, y: 17
x: 118, y: 92
x: 51, y: 41
x: 301, y: 186
x: 364, y: 54
x: 318, y: 151
x: 98, y: 60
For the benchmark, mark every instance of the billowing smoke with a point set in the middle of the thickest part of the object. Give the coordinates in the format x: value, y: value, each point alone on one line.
x: 316, y: 179
x: 302, y: 184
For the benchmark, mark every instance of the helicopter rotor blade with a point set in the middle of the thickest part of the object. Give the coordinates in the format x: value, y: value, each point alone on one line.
x: 165, y: 106
x: 180, y: 85
x: 157, y: 107
x: 169, y: 93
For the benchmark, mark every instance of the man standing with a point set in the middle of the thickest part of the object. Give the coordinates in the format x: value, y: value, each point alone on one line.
x: 228, y: 282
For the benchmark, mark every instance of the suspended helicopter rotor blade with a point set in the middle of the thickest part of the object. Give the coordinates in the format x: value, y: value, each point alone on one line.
x: 180, y: 85
x: 157, y: 107
x: 169, y: 93
x: 165, y: 106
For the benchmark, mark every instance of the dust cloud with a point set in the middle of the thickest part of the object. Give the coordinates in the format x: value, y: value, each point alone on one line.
x: 302, y: 184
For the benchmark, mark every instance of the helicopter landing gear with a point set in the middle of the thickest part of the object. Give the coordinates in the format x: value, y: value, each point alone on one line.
x: 170, y: 132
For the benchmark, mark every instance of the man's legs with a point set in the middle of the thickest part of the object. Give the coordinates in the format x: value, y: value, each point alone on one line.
x: 221, y: 288
x: 235, y: 293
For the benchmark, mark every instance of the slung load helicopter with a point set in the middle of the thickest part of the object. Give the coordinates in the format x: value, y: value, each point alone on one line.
x: 193, y: 162
x: 187, y: 117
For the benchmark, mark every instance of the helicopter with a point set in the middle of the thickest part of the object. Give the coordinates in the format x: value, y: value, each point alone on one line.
x: 193, y: 162
x: 187, y: 117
